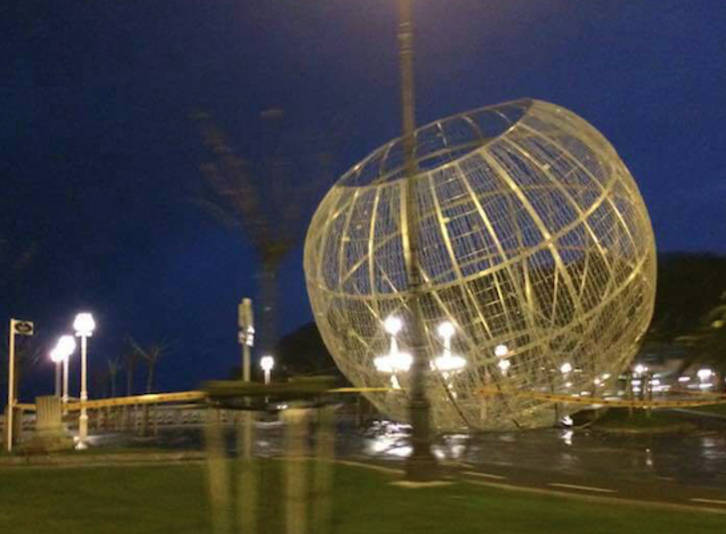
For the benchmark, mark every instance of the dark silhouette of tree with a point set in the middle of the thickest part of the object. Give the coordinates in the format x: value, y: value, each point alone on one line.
x: 150, y: 355
x: 303, y: 353
x: 132, y: 358
x: 113, y: 366
x: 689, y: 286
x: 706, y: 344
x: 269, y: 194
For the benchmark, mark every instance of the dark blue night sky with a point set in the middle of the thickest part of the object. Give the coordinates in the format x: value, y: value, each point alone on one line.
x: 99, y: 161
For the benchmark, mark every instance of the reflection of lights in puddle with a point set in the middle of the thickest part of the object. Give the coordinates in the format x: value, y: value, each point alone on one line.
x: 390, y: 445
x: 567, y: 437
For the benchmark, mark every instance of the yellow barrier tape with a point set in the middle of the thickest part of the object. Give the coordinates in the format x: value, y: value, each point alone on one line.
x: 571, y: 399
x: 162, y: 398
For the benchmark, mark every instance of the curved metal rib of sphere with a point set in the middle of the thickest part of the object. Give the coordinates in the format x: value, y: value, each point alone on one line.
x: 533, y: 236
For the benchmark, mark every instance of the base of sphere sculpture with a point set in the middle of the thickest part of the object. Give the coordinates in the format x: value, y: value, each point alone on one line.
x: 537, y: 260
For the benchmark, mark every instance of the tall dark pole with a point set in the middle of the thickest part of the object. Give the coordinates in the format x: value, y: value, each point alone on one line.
x: 421, y: 465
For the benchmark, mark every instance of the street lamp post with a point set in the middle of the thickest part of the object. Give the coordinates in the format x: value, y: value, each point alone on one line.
x: 65, y: 347
x: 267, y: 363
x: 84, y: 326
x: 246, y: 323
x: 57, y: 358
x: 421, y: 465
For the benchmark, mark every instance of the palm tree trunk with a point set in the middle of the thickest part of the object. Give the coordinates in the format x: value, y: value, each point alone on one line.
x: 150, y: 377
x: 129, y: 378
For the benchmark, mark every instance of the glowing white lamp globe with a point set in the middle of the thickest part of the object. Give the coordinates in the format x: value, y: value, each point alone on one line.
x: 446, y: 330
x: 267, y: 363
x: 66, y: 346
x: 84, y: 324
x: 56, y: 356
x: 393, y: 325
x: 533, y: 236
x: 501, y: 351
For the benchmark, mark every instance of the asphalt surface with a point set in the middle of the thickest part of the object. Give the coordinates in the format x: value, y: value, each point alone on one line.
x: 679, y: 469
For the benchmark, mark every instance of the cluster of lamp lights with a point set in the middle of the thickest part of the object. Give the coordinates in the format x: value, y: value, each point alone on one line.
x: 84, y: 325
x: 448, y: 363
x: 398, y: 361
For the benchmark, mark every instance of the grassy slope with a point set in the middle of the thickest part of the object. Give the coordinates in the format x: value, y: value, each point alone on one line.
x: 153, y: 500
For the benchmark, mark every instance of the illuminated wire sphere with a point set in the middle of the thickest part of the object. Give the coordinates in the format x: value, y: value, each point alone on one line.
x: 534, y: 243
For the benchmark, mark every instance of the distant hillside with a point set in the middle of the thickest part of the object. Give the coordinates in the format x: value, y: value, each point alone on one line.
x: 689, y: 285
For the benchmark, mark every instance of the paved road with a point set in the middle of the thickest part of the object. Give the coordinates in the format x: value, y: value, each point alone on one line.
x: 687, y: 469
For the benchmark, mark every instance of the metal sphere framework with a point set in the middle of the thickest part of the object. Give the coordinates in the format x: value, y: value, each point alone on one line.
x: 535, y: 245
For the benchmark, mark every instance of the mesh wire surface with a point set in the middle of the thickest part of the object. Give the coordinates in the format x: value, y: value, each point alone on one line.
x: 534, y: 242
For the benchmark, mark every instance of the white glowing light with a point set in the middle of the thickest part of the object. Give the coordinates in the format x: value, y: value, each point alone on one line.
x: 504, y: 364
x: 267, y: 363
x: 393, y: 363
x: 56, y: 356
x: 449, y: 363
x: 66, y: 346
x: 395, y: 384
x: 640, y: 369
x: 684, y: 378
x: 446, y: 330
x: 393, y: 325
x: 501, y: 351
x: 705, y: 374
x: 84, y: 325
x: 566, y: 368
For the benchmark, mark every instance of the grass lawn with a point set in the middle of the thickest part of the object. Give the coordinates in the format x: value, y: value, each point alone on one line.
x: 158, y: 499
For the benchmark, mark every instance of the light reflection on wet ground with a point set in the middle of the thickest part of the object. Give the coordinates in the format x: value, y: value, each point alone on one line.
x: 694, y: 459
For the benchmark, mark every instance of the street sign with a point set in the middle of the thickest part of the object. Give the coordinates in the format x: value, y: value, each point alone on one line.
x: 23, y: 328
x: 245, y: 315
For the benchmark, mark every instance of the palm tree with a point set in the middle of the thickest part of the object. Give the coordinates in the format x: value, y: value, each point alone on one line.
x: 150, y: 356
x: 131, y: 359
x: 270, y: 197
x: 114, y: 366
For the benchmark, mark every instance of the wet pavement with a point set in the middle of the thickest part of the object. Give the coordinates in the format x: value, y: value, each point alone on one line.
x: 664, y: 467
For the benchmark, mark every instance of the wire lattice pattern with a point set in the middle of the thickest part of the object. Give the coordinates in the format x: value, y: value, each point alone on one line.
x: 534, y: 242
